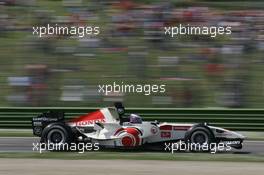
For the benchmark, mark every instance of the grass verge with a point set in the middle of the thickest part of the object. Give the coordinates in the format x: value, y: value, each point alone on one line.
x: 16, y: 133
x: 136, y: 156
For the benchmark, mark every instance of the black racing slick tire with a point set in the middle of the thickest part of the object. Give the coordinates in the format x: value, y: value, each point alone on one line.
x: 57, y: 136
x: 200, y: 139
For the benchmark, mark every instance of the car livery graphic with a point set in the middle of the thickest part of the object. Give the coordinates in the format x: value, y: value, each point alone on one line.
x: 111, y: 128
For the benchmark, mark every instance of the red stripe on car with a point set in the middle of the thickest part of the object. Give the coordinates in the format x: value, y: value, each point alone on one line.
x: 118, y: 131
x: 166, y: 127
x: 89, y: 119
x: 135, y: 133
x: 165, y: 134
x: 132, y: 131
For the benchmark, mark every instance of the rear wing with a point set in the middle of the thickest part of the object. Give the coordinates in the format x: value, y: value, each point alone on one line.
x: 42, y: 120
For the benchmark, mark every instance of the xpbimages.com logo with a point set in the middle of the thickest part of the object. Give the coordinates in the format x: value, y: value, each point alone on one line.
x: 146, y: 89
x: 75, y: 147
x: 211, y: 31
x: 79, y: 31
x: 197, y: 147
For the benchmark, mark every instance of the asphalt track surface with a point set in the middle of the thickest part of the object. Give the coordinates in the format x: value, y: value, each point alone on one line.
x: 127, y: 167
x: 120, y: 167
x: 25, y: 144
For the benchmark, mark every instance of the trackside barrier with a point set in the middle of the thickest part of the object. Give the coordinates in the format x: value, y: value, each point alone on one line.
x: 235, y: 119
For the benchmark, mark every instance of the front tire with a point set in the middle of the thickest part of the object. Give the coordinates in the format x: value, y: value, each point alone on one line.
x: 198, y: 138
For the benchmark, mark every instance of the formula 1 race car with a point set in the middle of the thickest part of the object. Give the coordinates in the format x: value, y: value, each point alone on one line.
x: 111, y: 128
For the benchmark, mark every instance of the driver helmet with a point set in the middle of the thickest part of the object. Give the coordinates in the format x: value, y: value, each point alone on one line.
x: 134, y: 118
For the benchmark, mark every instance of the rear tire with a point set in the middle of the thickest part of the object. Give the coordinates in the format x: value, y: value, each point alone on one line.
x: 57, y: 136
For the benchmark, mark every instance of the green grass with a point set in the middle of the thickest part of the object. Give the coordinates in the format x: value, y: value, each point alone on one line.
x: 137, y: 156
x: 16, y: 133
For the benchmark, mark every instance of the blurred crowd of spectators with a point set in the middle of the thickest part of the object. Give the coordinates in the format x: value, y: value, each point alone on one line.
x: 198, y: 71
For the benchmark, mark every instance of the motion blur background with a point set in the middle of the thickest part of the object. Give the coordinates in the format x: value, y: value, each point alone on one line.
x: 198, y: 71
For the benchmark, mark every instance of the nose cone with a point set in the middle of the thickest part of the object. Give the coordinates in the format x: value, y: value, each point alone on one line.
x: 224, y: 133
x: 236, y: 135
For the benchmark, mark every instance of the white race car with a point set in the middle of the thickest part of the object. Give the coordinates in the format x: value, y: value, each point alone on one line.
x: 110, y: 128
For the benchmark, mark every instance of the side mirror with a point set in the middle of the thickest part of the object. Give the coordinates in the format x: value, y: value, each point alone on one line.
x: 120, y: 108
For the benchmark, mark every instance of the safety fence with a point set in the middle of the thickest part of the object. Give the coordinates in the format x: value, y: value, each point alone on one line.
x: 235, y: 119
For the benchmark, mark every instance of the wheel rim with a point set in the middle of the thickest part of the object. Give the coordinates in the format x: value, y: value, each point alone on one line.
x: 199, y: 137
x: 56, y: 136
